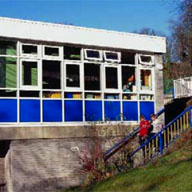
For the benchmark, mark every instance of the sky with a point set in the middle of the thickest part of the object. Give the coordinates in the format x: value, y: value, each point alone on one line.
x: 119, y: 15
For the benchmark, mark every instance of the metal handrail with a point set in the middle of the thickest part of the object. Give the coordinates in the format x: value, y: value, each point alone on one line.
x: 160, y: 132
x: 125, y: 140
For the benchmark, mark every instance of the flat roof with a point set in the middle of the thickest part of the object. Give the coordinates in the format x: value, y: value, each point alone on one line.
x: 60, y: 33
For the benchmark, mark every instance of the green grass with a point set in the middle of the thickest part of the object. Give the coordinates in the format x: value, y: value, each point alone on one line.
x: 172, y: 172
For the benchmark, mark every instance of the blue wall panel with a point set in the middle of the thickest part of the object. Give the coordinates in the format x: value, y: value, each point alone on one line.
x: 112, y: 110
x: 146, y: 109
x: 73, y: 110
x: 29, y: 110
x: 8, y: 110
x: 52, y: 111
x: 130, y: 111
x: 93, y: 110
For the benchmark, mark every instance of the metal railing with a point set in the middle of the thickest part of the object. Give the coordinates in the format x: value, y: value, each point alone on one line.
x: 159, y: 142
x: 183, y: 87
x: 115, y: 148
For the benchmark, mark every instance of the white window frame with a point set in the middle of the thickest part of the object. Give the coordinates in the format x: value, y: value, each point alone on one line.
x: 39, y: 76
x: 152, y: 81
x: 136, y: 79
x: 118, y: 90
x: 93, y: 59
x: 146, y: 63
x: 101, y: 77
x: 60, y: 49
x: 27, y: 54
x: 113, y: 60
x: 81, y: 77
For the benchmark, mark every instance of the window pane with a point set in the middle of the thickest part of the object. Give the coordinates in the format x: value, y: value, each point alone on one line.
x: 92, y: 76
x: 73, y: 76
x: 93, y: 54
x: 52, y: 51
x: 8, y: 93
x: 111, y: 56
x: 146, y: 59
x: 8, y: 72
x: 146, y: 80
x: 128, y: 79
x: 51, y: 75
x: 29, y: 73
x: 127, y: 58
x: 72, y: 53
x: 29, y: 49
x: 7, y: 48
x: 111, y: 78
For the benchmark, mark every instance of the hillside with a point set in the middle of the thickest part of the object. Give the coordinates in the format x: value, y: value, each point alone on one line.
x: 172, y: 172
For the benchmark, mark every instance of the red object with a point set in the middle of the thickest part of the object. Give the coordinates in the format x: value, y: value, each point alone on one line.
x: 144, y: 126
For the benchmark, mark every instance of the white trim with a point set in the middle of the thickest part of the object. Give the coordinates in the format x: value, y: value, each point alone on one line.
x: 28, y: 55
x: 41, y: 31
x: 60, y: 52
x: 118, y: 79
x: 152, y: 81
x: 39, y: 75
x: 100, y: 58
x: 74, y: 89
x: 118, y: 60
x: 152, y: 62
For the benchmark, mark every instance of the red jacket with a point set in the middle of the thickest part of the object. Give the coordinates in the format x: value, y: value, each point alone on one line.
x: 144, y: 127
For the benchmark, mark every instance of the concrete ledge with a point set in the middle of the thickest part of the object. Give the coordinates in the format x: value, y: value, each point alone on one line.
x: 51, y: 132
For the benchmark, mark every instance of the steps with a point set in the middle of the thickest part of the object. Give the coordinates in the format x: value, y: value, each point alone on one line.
x: 157, y: 144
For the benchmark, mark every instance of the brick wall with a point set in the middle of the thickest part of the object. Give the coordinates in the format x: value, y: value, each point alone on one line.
x: 44, y: 165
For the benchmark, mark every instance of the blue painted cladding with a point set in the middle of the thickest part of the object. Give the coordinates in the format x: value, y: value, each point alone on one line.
x: 73, y: 110
x: 93, y: 110
x: 29, y: 110
x: 8, y: 110
x: 112, y: 110
x: 52, y: 111
x: 130, y: 111
x: 146, y: 109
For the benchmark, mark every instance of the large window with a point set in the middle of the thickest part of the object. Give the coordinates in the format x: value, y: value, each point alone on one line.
x: 51, y: 74
x: 128, y: 79
x: 92, y: 76
x: 146, y: 80
x: 73, y: 76
x: 111, y: 78
x: 8, y: 72
x: 29, y: 76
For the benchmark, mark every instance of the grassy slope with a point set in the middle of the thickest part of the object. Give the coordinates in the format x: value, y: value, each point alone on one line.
x: 172, y: 172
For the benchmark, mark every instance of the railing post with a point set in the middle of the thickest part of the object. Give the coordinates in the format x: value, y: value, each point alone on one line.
x: 161, y: 143
x: 190, y: 118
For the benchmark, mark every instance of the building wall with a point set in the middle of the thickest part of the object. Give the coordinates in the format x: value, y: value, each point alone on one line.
x: 44, y: 165
x: 53, y: 164
x: 159, y: 95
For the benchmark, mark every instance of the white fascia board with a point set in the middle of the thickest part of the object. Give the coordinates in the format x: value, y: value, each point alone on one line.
x: 32, y: 30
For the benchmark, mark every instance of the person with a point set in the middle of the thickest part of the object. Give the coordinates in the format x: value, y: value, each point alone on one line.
x: 157, y: 125
x: 143, y: 131
x: 128, y: 87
